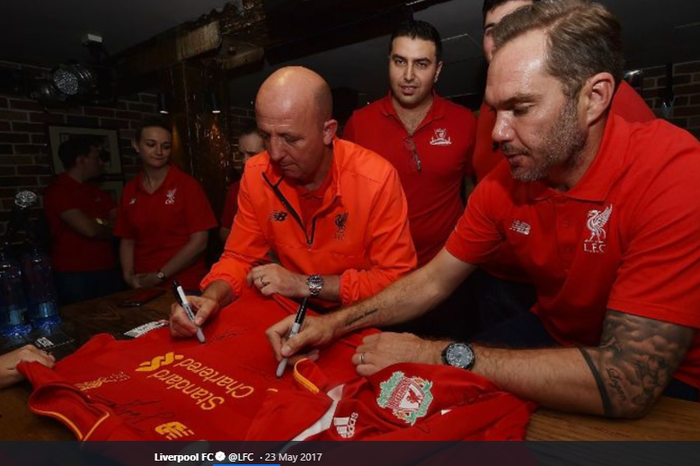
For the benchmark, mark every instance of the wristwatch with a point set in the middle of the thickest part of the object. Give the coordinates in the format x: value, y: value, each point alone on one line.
x: 458, y: 354
x: 315, y: 284
x: 161, y: 275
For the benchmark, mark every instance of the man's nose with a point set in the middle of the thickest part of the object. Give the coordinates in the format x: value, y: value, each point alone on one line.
x: 502, y: 130
x: 409, y: 73
x: 275, y: 149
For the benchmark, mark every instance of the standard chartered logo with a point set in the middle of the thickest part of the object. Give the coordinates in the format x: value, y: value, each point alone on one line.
x: 158, y: 362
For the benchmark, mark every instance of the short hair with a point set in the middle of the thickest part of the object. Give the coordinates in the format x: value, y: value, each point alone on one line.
x: 250, y: 127
x: 583, y: 39
x: 416, y: 29
x: 76, y: 146
x: 491, y: 4
x: 152, y: 122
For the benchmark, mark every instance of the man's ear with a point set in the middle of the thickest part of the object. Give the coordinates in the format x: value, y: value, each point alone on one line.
x: 598, y: 92
x: 437, y: 72
x: 330, y: 127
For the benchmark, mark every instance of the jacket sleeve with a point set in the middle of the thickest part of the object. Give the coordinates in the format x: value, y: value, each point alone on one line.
x: 389, y: 244
x: 246, y: 245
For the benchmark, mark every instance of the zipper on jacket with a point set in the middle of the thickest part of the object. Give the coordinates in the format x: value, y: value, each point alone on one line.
x: 288, y: 206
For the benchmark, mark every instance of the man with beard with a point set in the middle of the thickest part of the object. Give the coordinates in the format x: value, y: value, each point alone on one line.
x: 601, y: 213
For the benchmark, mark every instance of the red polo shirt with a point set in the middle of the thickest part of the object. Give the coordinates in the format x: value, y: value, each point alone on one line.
x: 71, y: 251
x: 161, y: 223
x: 626, y: 237
x: 444, y: 142
x: 626, y: 103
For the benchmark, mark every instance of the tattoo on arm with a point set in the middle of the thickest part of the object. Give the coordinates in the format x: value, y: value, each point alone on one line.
x: 607, y: 408
x: 356, y: 319
x: 635, y: 361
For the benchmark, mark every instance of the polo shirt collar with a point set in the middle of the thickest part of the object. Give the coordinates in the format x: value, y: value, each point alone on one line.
x: 436, y: 111
x: 172, y: 169
x: 596, y: 183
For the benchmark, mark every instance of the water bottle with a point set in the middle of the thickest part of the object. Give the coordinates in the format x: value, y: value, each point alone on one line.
x: 13, y: 306
x: 40, y: 290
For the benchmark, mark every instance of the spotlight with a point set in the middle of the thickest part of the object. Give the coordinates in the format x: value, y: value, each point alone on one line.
x: 73, y: 79
x: 163, y: 106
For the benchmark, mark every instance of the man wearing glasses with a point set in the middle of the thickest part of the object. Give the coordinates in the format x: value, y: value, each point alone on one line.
x: 427, y: 138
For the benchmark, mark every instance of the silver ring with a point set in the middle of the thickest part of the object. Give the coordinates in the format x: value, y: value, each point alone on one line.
x: 362, y: 358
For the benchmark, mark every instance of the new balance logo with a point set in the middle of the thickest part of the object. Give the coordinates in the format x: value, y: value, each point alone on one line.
x: 174, y: 430
x: 277, y: 216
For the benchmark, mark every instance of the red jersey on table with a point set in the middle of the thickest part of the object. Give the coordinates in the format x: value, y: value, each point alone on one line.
x: 159, y: 388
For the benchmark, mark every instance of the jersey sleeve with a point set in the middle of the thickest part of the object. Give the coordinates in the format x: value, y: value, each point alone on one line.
x: 659, y: 276
x: 390, y: 247
x: 477, y: 235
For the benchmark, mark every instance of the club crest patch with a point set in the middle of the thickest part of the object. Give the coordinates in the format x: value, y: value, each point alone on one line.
x: 407, y: 397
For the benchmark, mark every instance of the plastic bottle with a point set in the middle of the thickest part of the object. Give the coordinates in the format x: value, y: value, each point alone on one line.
x: 40, y: 290
x: 13, y: 306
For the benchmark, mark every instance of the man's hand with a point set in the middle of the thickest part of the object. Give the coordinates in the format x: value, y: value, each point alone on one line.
x: 273, y: 278
x: 385, y: 349
x: 181, y: 326
x: 315, y: 332
x: 8, y: 363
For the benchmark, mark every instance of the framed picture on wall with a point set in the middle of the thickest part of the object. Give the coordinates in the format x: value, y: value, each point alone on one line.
x: 106, y: 139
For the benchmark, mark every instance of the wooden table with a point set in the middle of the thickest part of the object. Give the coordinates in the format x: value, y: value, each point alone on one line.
x: 670, y: 419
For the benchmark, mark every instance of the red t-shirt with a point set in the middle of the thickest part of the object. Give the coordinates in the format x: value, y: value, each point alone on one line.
x: 71, y: 251
x: 159, y: 388
x: 231, y: 205
x: 444, y: 142
x: 161, y: 223
x: 626, y: 237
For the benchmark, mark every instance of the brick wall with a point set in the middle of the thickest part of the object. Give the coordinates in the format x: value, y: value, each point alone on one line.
x: 685, y: 111
x: 25, y: 162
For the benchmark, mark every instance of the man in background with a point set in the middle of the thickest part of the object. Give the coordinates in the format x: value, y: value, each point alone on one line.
x: 80, y: 217
x: 250, y: 143
x: 429, y: 140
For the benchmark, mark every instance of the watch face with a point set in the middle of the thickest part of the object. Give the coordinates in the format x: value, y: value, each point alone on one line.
x: 460, y: 355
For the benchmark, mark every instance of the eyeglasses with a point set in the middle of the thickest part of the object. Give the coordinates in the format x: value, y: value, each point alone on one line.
x: 410, y: 146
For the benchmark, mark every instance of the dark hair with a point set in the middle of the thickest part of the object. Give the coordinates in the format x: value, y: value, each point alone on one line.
x: 491, y: 4
x: 152, y: 122
x: 77, y: 146
x: 420, y: 30
x: 583, y: 39
x: 250, y: 127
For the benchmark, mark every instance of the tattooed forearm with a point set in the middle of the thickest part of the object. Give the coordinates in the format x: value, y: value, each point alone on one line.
x: 635, y: 361
x: 605, y: 399
x: 356, y: 319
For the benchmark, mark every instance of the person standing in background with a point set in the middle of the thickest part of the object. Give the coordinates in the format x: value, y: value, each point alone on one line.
x: 80, y: 218
x: 429, y: 140
x: 164, y: 217
x: 250, y: 143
